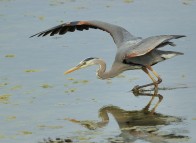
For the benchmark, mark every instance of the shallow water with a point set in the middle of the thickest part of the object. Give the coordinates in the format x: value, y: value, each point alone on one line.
x: 37, y: 101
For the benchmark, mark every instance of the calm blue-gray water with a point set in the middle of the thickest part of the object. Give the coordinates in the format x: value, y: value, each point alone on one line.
x: 38, y: 101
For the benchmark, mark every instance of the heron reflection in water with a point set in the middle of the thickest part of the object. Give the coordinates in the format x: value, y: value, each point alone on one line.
x: 132, y: 52
x: 136, y: 125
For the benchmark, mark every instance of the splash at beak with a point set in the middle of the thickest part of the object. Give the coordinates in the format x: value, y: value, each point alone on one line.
x: 72, y: 69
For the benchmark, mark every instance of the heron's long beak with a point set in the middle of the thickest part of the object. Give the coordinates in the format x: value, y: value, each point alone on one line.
x: 72, y: 69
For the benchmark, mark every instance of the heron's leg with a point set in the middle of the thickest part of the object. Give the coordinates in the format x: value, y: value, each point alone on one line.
x: 155, y: 88
x: 154, y: 108
x: 146, y: 108
x: 156, y: 74
x: 136, y: 88
x: 152, y: 98
x: 155, y: 85
x: 145, y: 69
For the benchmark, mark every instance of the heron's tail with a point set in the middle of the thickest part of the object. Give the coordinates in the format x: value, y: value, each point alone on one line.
x: 169, y: 54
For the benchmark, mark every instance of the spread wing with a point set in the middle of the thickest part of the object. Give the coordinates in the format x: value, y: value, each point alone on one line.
x: 148, y: 44
x: 119, y: 34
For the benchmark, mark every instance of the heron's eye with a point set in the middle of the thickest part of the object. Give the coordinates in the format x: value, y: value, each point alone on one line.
x: 82, y: 63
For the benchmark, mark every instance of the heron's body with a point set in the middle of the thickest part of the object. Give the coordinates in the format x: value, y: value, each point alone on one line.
x: 132, y: 52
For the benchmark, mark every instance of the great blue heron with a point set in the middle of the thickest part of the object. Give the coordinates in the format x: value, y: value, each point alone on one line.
x: 132, y: 52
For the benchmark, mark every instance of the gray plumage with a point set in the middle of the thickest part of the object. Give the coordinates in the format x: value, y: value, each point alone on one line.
x: 132, y: 52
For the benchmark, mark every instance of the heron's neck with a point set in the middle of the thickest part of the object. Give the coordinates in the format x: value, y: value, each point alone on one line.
x: 102, y: 73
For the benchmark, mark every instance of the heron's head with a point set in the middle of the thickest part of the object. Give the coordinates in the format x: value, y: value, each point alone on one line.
x: 85, y: 63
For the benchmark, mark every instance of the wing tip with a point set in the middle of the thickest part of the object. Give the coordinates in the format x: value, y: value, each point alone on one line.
x: 32, y: 36
x: 73, y: 23
x: 179, y: 36
x: 36, y: 35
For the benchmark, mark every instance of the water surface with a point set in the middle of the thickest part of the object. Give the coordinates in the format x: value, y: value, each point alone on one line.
x: 36, y: 99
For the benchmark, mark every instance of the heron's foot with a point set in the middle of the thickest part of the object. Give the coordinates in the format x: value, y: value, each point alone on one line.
x: 135, y: 90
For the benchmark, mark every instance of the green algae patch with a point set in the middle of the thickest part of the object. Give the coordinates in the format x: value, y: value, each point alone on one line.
x: 16, y: 87
x: 10, y: 56
x: 50, y: 126
x: 71, y: 90
x: 41, y: 18
x: 3, y: 84
x: 70, y: 79
x: 128, y: 1
x: 26, y: 132
x: 80, y: 81
x: 75, y: 81
x: 10, y: 118
x: 84, y: 81
x: 31, y: 70
x: 2, y: 136
x: 4, y: 98
x: 46, y: 86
